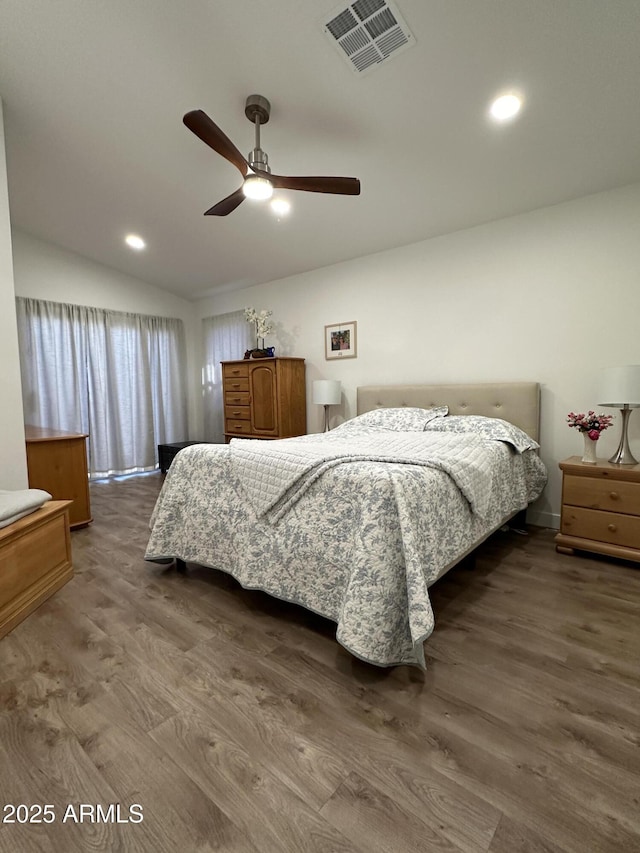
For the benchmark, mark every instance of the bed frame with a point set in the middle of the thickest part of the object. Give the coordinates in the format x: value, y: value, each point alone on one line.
x: 516, y: 402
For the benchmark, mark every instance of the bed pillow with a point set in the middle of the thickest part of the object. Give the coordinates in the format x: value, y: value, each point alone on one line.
x: 402, y: 419
x: 494, y: 428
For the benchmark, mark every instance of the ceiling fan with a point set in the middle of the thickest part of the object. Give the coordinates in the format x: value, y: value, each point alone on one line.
x: 259, y: 182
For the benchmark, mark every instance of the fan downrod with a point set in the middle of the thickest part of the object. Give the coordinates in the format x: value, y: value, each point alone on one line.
x: 257, y: 107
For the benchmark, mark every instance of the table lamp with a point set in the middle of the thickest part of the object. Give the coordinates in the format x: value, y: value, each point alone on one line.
x: 620, y: 387
x: 326, y: 392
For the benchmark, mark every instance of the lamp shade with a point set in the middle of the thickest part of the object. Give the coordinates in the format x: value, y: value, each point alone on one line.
x: 620, y: 386
x: 327, y: 392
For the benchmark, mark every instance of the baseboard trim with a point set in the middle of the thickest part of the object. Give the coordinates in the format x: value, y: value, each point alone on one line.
x: 544, y: 519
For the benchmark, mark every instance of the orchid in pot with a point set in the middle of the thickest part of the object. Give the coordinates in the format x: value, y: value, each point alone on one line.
x: 262, y: 323
x: 590, y: 425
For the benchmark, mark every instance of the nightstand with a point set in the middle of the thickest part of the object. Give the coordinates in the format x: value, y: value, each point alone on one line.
x: 600, y: 509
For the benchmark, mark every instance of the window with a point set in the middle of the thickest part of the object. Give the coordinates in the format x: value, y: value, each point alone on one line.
x: 118, y: 377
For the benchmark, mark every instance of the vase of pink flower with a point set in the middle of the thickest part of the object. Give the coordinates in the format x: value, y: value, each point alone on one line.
x: 590, y: 425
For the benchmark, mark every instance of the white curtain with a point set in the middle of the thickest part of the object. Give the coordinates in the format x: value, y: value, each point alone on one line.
x: 226, y: 337
x: 118, y: 377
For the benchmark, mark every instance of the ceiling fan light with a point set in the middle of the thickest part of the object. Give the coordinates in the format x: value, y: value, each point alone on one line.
x: 257, y: 188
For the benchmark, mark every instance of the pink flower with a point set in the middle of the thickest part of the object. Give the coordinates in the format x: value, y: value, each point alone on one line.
x: 591, y: 423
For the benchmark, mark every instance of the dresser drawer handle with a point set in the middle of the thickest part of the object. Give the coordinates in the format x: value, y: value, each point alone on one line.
x: 235, y: 384
x: 613, y: 527
x: 237, y: 414
x: 614, y: 496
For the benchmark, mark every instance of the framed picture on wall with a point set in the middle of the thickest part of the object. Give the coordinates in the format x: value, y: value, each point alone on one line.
x: 340, y: 340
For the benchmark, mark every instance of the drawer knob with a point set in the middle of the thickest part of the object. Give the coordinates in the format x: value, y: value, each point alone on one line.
x: 613, y: 527
x: 237, y: 413
x: 614, y: 496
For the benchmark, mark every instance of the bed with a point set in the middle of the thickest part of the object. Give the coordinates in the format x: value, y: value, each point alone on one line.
x: 358, y: 523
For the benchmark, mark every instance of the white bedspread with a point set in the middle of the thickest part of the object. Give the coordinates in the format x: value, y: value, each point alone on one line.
x: 276, y: 474
x: 357, y: 540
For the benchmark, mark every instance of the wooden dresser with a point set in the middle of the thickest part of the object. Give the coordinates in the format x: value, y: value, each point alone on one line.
x: 57, y: 463
x: 600, y: 509
x: 264, y: 398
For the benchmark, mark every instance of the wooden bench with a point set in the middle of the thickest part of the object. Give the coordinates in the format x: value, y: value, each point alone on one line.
x: 35, y: 561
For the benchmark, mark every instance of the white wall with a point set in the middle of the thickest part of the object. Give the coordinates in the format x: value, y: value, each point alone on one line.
x: 13, y: 460
x: 45, y: 271
x: 549, y: 296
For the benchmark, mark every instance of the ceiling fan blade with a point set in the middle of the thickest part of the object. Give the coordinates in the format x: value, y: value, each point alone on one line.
x: 339, y: 186
x: 227, y: 205
x: 209, y: 132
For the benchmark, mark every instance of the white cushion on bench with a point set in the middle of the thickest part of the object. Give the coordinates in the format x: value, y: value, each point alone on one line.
x: 16, y: 504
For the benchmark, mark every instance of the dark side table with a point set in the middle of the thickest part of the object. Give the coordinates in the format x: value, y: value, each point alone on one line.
x: 167, y: 452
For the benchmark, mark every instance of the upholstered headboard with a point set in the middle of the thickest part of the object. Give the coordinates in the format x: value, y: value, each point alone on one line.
x: 516, y: 402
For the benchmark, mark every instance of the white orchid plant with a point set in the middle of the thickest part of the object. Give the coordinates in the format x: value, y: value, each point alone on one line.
x: 261, y: 321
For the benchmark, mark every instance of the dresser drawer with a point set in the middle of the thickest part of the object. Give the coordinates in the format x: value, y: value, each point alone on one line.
x: 239, y: 427
x: 598, y: 493
x: 614, y: 528
x: 237, y: 413
x: 235, y: 371
x: 236, y: 398
x: 233, y: 385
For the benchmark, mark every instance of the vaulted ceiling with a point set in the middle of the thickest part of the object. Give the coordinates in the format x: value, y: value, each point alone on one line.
x: 94, y: 94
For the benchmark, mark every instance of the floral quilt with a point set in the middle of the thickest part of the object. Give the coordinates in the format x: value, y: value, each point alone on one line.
x: 363, y: 541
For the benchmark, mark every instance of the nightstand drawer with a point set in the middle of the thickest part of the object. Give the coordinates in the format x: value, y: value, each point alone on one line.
x: 612, y: 527
x: 241, y: 413
x: 239, y: 427
x: 598, y: 493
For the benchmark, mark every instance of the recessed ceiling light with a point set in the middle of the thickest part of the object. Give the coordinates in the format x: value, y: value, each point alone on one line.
x: 506, y: 107
x: 134, y: 241
x: 280, y: 206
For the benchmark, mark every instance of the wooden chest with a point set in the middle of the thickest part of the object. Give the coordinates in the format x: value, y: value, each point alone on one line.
x: 35, y: 561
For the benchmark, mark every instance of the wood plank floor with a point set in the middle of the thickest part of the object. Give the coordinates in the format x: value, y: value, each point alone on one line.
x: 237, y: 722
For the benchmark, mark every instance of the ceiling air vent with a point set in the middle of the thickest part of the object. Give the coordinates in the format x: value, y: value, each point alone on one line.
x: 367, y: 33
